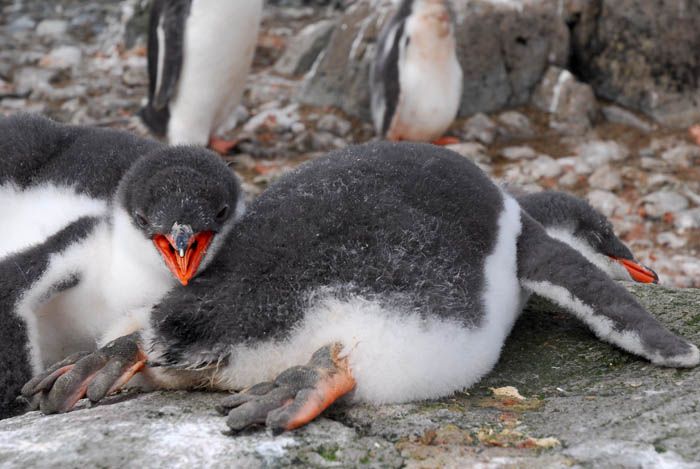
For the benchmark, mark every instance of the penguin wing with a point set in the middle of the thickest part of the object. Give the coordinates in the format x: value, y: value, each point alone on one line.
x: 165, y: 49
x: 384, y: 74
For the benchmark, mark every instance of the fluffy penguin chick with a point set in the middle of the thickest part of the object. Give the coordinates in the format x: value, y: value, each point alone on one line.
x: 92, y: 263
x: 199, y: 57
x: 416, y: 79
x: 394, y: 270
x: 573, y: 221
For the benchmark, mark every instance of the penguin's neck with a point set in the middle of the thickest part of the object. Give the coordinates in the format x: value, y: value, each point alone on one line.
x: 135, y: 273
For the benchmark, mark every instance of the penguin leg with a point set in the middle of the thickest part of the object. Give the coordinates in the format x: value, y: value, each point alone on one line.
x: 296, y: 397
x: 93, y: 374
x: 559, y: 273
x: 222, y: 146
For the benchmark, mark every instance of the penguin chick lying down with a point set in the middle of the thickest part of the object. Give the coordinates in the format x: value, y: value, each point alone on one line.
x: 390, y: 272
x: 102, y: 224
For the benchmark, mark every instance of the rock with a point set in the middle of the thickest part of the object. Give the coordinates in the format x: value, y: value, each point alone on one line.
x: 277, y: 120
x: 33, y: 79
x: 478, y: 127
x: 643, y: 55
x: 518, y: 153
x: 571, y: 103
x: 605, y: 178
x: 607, y: 203
x: 52, y: 28
x: 503, y: 50
x: 683, y: 156
x: 687, y: 219
x: 544, y: 167
x: 658, y: 203
x: 569, y: 179
x: 23, y: 23
x: 516, y: 125
x: 619, y: 115
x: 670, y: 239
x: 471, y: 150
x: 303, y: 50
x: 603, y: 405
x: 334, y: 124
x: 63, y: 57
x: 599, y: 152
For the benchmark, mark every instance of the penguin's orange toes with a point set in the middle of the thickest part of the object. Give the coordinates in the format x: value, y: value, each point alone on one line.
x: 222, y: 146
x: 94, y: 375
x: 296, y: 397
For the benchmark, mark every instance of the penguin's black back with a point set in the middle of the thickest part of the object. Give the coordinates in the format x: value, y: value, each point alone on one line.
x: 408, y: 225
x: 37, y: 150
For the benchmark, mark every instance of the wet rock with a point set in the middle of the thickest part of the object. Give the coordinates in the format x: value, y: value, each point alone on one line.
x: 605, y: 178
x: 518, y: 153
x: 303, y: 50
x: 571, y: 103
x: 643, y: 55
x: 334, y: 124
x: 52, y: 28
x: 478, y: 127
x: 599, y: 152
x: 658, y: 203
x: 607, y: 203
x: 620, y: 115
x: 515, y: 125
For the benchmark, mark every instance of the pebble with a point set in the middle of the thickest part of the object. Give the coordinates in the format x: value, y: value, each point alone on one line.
x: 544, y: 166
x: 682, y: 156
x: 670, y: 239
x: 660, y: 202
x: 599, y: 152
x: 515, y: 125
x: 607, y: 203
x: 619, y: 115
x: 518, y: 153
x: 605, y: 178
x: 23, y: 23
x: 334, y: 124
x: 52, y: 28
x: 62, y: 57
x: 471, y: 150
x: 687, y: 219
x: 479, y: 127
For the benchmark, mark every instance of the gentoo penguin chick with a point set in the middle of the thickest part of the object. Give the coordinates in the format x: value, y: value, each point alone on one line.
x: 84, y: 266
x: 573, y: 221
x: 391, y: 270
x: 199, y: 57
x: 415, y: 78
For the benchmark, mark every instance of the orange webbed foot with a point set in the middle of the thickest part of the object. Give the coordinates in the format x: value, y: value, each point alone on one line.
x: 296, y: 397
x: 445, y: 140
x: 94, y: 375
x: 222, y: 146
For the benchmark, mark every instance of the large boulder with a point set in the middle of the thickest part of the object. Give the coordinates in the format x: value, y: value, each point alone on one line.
x: 583, y: 403
x: 642, y: 54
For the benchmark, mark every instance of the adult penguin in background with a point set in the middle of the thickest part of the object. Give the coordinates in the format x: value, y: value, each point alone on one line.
x: 394, y: 271
x: 98, y: 225
x: 415, y: 78
x: 199, y: 56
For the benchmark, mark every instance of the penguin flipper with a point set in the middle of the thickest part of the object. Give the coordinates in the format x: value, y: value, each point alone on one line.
x: 555, y: 271
x: 94, y: 375
x: 296, y: 397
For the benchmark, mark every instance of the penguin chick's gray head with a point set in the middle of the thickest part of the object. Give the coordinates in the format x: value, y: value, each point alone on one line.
x: 181, y: 198
x: 574, y: 222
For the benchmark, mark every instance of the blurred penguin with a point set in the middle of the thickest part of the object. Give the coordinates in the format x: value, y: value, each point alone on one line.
x: 199, y: 56
x: 416, y: 79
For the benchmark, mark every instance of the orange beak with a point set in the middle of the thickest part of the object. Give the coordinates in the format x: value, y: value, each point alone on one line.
x: 637, y: 271
x: 183, y: 263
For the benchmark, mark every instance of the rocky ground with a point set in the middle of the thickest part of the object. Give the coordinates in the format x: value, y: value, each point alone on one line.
x: 558, y: 398
x: 84, y: 62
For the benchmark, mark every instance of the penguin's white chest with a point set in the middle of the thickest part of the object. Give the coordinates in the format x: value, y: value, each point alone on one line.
x: 430, y: 83
x: 32, y: 215
x: 218, y: 49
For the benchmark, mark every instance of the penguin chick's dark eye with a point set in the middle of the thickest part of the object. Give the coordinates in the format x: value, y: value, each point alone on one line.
x: 141, y: 220
x: 223, y: 213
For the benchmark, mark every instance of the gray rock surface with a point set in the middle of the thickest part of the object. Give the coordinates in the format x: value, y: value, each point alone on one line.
x: 304, y: 49
x: 592, y: 405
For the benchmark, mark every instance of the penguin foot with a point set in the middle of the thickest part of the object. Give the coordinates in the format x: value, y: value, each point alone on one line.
x: 222, y: 146
x: 94, y: 375
x: 296, y: 397
x: 445, y: 140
